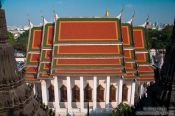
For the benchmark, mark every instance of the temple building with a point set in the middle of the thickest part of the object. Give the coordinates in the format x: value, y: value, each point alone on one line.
x: 81, y: 62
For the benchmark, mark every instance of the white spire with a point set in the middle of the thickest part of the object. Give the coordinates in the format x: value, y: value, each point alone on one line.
x: 132, y: 18
x: 107, y: 14
x: 120, y: 14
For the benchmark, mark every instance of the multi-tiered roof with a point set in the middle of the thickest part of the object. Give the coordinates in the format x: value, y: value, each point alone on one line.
x: 87, y: 47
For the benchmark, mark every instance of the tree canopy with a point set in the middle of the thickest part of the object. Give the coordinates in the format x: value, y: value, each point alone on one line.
x: 159, y: 39
x: 122, y: 109
x: 11, y: 38
x: 21, y: 41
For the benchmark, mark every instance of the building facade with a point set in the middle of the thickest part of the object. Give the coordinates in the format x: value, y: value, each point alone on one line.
x: 88, y: 62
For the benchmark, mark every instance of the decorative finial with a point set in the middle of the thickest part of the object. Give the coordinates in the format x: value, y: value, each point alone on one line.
x: 55, y: 16
x: 146, y: 22
x: 107, y: 14
x: 30, y: 23
x: 44, y: 20
x: 132, y: 18
x: 120, y: 15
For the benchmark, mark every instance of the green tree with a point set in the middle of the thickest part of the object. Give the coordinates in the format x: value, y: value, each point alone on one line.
x: 11, y: 38
x: 159, y: 39
x: 123, y: 109
x: 21, y: 43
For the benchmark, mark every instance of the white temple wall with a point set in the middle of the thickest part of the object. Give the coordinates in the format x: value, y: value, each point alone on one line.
x: 101, y: 80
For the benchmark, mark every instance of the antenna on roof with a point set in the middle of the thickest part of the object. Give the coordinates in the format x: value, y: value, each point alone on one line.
x: 120, y: 14
x: 132, y: 18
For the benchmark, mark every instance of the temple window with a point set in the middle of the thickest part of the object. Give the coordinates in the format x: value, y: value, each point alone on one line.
x: 51, y: 93
x: 75, y: 94
x: 125, y: 93
x: 87, y: 93
x: 63, y: 91
x: 100, y: 94
x: 112, y: 93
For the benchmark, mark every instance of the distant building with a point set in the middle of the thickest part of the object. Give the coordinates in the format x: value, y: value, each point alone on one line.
x: 16, y: 31
x: 77, y: 61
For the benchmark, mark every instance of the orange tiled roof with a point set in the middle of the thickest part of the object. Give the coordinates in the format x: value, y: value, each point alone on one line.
x: 88, y: 46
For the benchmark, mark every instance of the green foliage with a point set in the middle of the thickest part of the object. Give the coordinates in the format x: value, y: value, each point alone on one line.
x: 11, y: 38
x: 123, y: 109
x: 159, y: 39
x: 21, y: 43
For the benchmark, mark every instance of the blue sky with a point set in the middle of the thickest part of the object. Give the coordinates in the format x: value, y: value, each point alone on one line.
x: 18, y: 11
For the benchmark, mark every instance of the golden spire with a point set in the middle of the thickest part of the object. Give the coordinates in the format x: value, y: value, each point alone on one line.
x: 107, y: 14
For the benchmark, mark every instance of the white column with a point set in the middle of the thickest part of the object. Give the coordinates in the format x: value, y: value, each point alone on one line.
x: 95, y: 93
x: 141, y: 90
x: 81, y: 94
x: 107, y: 91
x: 133, y: 86
x: 69, y: 94
x: 120, y: 90
x: 34, y: 89
x: 57, y: 92
x: 44, y: 92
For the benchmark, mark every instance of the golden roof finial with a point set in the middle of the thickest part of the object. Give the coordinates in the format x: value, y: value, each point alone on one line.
x: 107, y: 14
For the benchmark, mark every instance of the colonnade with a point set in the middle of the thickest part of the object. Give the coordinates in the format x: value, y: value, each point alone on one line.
x: 94, y: 93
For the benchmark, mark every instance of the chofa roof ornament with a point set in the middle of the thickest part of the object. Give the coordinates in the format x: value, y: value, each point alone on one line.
x: 44, y: 20
x: 132, y: 18
x: 30, y: 23
x: 145, y: 23
x: 120, y: 14
x: 55, y: 16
